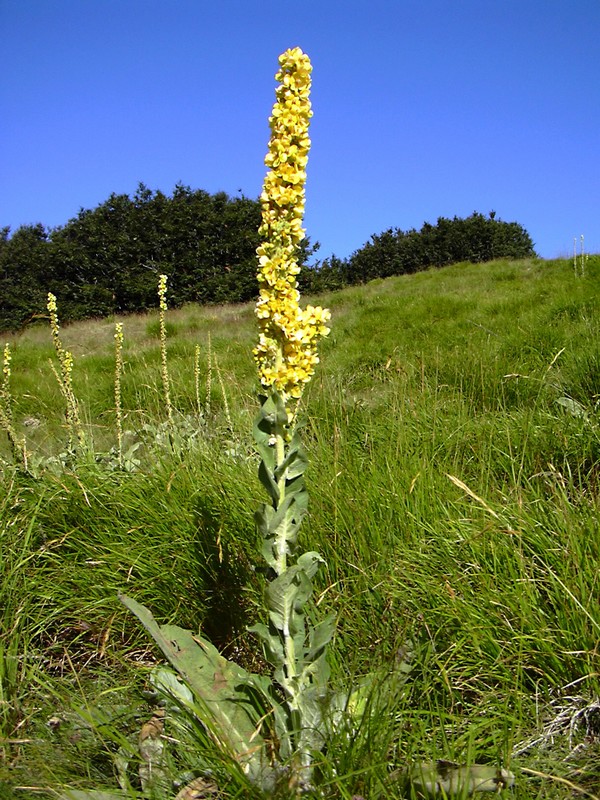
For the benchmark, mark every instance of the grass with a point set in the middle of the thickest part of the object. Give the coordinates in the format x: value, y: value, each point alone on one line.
x: 453, y: 497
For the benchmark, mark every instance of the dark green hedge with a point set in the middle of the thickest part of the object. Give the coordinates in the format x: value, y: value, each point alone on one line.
x: 107, y: 260
x: 395, y: 252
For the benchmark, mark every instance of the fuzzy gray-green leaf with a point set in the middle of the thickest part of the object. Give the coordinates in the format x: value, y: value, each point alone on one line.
x: 446, y: 779
x: 285, y: 597
x: 319, y: 637
x: 218, y: 684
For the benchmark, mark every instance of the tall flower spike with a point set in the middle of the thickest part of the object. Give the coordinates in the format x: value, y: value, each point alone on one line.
x: 162, y: 310
x: 286, y: 353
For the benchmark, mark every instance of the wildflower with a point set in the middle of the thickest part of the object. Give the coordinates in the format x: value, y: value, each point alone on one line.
x: 162, y: 305
x: 118, y: 397
x: 65, y: 378
x: 286, y: 354
x: 162, y: 292
x: 54, y: 326
x: 6, y: 364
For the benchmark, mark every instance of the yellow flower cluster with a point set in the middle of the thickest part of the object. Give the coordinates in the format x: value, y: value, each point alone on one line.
x: 5, y: 397
x: 65, y: 379
x: 54, y: 326
x: 286, y: 353
x: 162, y: 292
x: 6, y: 365
x: 162, y: 305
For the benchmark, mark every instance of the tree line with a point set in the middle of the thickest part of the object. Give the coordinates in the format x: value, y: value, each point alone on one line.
x: 107, y: 260
x: 476, y: 238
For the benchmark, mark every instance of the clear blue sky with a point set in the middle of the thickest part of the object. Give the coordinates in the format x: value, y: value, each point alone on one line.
x: 422, y: 108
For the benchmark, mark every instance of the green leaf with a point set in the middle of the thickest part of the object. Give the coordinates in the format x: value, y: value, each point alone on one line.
x: 289, y: 515
x: 276, y: 721
x: 272, y: 643
x: 300, y: 462
x: 279, y: 528
x: 272, y: 417
x: 167, y: 684
x: 263, y: 518
x: 358, y: 700
x: 294, y: 464
x: 285, y: 597
x: 263, y: 432
x: 446, y: 779
x: 310, y: 562
x: 217, y: 684
x: 295, y: 486
x: 265, y: 476
x: 573, y: 407
x: 319, y: 637
x: 312, y: 704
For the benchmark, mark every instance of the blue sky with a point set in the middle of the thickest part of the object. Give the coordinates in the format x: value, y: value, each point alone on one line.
x: 422, y: 108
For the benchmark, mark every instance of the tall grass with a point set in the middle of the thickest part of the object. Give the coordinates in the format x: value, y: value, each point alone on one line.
x: 450, y: 374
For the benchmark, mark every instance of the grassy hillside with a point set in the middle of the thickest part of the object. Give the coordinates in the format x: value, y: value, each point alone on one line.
x: 454, y: 441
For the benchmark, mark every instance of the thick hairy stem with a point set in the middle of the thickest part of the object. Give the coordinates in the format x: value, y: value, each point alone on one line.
x: 281, y: 546
x: 279, y: 435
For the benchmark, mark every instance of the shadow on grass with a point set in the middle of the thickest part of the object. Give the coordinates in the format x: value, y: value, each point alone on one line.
x: 230, y: 582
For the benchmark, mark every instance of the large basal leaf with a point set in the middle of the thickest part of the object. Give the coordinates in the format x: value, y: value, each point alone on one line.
x: 446, y: 779
x: 276, y: 721
x: 573, y: 407
x: 313, y: 710
x: 367, y: 693
x: 219, y: 685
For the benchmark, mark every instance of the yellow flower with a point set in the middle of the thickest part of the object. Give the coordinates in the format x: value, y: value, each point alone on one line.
x: 286, y: 353
x: 6, y: 362
x: 162, y: 292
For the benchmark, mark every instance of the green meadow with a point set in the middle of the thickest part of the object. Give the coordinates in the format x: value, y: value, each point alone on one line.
x: 453, y: 437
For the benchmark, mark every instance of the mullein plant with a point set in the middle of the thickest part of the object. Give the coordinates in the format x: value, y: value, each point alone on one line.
x: 272, y: 726
x: 118, y: 395
x: 579, y: 264
x: 164, y: 371
x: 77, y: 439
x: 286, y: 356
x: 18, y: 444
x: 209, y: 371
x: 276, y: 727
x: 197, y: 380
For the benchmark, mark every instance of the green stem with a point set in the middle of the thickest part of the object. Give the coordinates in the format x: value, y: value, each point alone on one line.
x: 288, y: 642
x: 281, y: 545
x: 279, y: 459
x: 281, y: 567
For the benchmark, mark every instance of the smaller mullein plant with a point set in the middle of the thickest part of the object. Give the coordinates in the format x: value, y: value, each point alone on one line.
x: 209, y: 372
x: 164, y: 371
x: 18, y: 444
x: 64, y: 376
x: 118, y: 395
x: 119, y: 457
x: 199, y: 409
